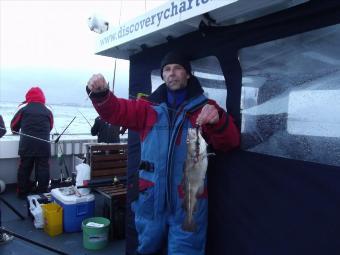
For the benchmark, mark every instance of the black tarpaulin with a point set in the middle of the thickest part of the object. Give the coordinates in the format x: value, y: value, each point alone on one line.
x: 261, y: 204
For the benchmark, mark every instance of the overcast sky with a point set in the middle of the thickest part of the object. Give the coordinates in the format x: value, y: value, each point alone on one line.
x: 48, y: 43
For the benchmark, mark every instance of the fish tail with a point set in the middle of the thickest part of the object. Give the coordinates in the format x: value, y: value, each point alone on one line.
x: 189, y: 224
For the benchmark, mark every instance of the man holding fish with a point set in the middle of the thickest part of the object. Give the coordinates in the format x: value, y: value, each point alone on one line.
x: 175, y: 123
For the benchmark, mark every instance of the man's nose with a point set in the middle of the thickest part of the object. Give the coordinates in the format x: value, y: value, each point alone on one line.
x: 172, y: 71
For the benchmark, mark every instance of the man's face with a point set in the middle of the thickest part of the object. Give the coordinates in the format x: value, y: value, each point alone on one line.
x: 175, y: 76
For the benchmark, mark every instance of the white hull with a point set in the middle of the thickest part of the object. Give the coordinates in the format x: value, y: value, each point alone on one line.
x: 9, y: 158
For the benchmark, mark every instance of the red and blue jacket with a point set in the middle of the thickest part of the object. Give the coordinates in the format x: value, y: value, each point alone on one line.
x: 33, y: 119
x: 163, y: 138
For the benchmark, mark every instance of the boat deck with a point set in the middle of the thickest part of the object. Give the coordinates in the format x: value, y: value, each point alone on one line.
x: 67, y: 243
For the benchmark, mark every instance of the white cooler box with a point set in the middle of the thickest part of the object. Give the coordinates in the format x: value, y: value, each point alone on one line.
x: 75, y: 209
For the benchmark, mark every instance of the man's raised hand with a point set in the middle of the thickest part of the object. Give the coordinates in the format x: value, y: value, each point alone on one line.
x: 97, y: 83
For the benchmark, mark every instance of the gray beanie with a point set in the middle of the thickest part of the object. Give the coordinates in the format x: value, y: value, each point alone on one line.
x: 175, y: 57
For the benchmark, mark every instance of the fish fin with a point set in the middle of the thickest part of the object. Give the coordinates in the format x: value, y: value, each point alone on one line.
x: 189, y: 225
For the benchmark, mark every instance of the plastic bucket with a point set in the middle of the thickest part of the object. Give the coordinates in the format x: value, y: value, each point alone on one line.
x: 95, y: 233
x: 53, y: 217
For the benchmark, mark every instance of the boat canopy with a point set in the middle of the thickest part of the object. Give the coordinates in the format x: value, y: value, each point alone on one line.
x: 179, y: 17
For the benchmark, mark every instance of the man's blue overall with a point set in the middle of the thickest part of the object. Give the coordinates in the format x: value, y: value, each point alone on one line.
x: 158, y: 211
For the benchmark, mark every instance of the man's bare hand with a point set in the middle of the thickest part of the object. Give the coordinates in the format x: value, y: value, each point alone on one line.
x: 97, y: 83
x: 208, y: 115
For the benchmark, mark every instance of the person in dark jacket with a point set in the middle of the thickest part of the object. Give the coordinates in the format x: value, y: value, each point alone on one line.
x: 2, y: 127
x: 35, y: 121
x: 106, y: 132
x: 4, y: 237
x: 162, y: 120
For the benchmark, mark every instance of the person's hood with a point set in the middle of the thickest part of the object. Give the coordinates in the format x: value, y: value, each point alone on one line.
x: 35, y: 95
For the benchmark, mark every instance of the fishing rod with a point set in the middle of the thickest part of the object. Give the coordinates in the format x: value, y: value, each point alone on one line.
x: 51, y: 142
x: 117, y: 180
x: 38, y: 138
x: 12, y: 208
x: 88, y: 96
x: 57, y: 140
x: 2, y: 230
x: 60, y: 156
x: 31, y: 136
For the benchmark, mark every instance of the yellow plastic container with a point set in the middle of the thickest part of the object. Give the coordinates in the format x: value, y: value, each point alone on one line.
x: 53, y: 216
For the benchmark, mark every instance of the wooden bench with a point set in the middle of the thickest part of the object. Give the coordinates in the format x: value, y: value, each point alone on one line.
x: 108, y: 161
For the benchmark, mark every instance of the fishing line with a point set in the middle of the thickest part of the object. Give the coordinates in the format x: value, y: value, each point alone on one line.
x: 85, y: 118
x: 82, y: 105
x: 88, y: 96
x: 77, y: 108
x: 132, y: 97
x: 31, y: 136
x: 158, y: 104
x: 55, y: 127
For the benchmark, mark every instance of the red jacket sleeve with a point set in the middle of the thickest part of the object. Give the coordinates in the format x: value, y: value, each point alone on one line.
x: 137, y: 115
x: 224, y: 135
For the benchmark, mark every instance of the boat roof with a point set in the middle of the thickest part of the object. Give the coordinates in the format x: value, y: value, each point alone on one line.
x: 179, y: 17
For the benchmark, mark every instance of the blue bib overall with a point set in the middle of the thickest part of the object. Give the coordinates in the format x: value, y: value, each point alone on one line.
x: 158, y: 210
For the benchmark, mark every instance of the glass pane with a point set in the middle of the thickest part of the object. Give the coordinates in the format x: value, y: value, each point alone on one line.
x: 290, y: 97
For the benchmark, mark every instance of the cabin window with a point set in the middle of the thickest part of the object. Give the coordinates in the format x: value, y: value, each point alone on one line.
x: 209, y: 73
x: 290, y: 97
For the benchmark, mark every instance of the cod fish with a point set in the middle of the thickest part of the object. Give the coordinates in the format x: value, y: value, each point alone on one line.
x: 194, y: 174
